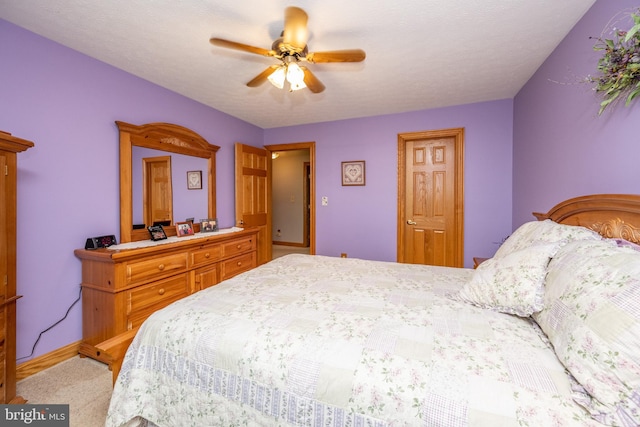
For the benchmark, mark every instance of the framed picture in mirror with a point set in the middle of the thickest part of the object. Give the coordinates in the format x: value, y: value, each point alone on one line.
x: 194, y: 180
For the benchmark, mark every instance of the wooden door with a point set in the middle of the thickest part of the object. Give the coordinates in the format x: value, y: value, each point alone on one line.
x: 430, y: 189
x: 253, y: 195
x: 157, y: 190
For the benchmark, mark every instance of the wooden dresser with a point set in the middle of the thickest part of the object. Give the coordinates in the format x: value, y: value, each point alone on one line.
x: 121, y: 288
x: 9, y: 147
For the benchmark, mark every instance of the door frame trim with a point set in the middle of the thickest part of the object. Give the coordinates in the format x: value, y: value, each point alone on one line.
x: 458, y: 135
x: 311, y: 146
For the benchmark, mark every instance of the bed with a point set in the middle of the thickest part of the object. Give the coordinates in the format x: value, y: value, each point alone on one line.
x: 545, y: 333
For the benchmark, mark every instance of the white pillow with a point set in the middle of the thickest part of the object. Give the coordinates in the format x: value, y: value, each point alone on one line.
x: 592, y: 318
x: 541, y: 232
x: 511, y: 284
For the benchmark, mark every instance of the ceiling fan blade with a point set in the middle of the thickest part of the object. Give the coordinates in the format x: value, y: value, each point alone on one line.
x: 349, y: 55
x: 312, y: 81
x: 295, y: 33
x: 240, y: 46
x: 263, y: 76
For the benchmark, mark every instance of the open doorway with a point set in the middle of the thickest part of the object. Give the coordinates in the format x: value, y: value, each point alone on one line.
x: 292, y: 198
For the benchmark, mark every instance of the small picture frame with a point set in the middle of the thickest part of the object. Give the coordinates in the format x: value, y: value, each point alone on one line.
x: 156, y: 232
x: 194, y: 180
x: 208, y: 225
x: 184, y: 229
x: 353, y: 173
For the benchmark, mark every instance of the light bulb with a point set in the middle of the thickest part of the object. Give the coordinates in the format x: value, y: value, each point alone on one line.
x: 277, y: 77
x: 295, y: 76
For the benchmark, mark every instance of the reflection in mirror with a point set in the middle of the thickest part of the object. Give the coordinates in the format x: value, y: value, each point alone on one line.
x: 186, y: 151
x: 185, y: 203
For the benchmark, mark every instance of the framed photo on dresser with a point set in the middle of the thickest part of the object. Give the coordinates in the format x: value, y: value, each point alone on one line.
x: 156, y: 232
x: 208, y: 225
x: 184, y: 229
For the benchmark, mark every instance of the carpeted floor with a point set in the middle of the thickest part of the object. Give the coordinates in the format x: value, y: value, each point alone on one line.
x: 282, y: 250
x: 83, y: 383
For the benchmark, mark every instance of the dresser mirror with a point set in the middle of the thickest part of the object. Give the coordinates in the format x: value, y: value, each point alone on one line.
x: 185, y: 151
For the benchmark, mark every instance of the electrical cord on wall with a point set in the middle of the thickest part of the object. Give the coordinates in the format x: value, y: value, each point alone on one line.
x: 33, y: 349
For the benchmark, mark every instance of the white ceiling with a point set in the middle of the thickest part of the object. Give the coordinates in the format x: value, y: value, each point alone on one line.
x: 420, y: 53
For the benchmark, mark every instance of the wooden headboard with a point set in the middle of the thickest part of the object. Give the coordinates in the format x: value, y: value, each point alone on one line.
x: 611, y: 215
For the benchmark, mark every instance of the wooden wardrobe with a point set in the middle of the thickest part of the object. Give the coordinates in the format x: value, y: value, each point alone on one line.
x: 9, y: 147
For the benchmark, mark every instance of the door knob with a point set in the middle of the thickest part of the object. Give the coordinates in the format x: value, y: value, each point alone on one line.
x: 411, y: 222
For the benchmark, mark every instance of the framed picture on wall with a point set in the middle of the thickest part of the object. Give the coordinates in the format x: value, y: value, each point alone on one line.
x: 184, y: 229
x: 194, y: 180
x: 353, y: 173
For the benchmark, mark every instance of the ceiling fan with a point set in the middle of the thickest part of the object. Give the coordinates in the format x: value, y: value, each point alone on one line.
x: 291, y: 49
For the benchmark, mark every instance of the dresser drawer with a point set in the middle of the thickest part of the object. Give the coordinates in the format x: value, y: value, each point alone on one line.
x: 154, y: 268
x: 146, y: 299
x: 238, y: 246
x: 237, y: 265
x: 206, y: 255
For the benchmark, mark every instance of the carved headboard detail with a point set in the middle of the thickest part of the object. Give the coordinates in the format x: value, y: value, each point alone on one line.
x: 611, y: 215
x: 617, y: 228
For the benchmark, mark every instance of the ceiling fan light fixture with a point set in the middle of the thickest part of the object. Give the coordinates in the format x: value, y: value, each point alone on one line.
x: 277, y: 77
x: 295, y: 76
x: 290, y: 48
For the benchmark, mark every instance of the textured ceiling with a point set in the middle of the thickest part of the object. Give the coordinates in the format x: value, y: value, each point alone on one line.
x: 420, y: 53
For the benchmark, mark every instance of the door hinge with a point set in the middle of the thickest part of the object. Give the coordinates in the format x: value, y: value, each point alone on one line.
x: 6, y: 170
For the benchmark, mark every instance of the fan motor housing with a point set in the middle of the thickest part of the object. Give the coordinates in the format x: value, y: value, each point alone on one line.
x: 284, y: 49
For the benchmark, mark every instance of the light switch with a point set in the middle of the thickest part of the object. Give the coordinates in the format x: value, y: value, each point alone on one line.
x: 325, y: 201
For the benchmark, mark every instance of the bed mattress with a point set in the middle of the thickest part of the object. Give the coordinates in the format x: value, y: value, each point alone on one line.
x: 322, y: 341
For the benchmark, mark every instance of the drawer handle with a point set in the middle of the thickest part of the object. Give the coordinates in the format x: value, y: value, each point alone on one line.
x: 161, y: 291
x: 161, y: 267
x: 239, y: 263
x: 207, y: 255
x: 239, y: 246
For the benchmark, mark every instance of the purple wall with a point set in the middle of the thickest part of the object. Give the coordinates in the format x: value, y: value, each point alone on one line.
x: 361, y: 221
x: 67, y: 103
x: 562, y: 148
x: 68, y: 188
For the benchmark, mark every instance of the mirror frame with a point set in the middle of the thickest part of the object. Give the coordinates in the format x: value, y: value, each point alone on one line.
x: 166, y: 137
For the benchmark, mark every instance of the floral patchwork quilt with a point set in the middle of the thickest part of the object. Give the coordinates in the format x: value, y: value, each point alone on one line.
x: 322, y: 341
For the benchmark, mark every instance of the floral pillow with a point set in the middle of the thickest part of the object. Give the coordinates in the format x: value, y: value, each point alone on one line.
x: 511, y: 284
x: 592, y: 317
x: 539, y: 232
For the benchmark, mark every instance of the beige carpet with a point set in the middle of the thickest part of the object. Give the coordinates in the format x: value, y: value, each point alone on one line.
x: 82, y: 383
x: 282, y: 250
